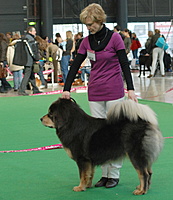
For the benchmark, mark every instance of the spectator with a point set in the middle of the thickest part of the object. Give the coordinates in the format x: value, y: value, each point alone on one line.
x: 147, y: 44
x: 58, y: 40
x: 9, y: 37
x: 42, y: 46
x: 5, y: 86
x: 66, y: 55
x: 85, y: 69
x: 157, y: 52
x: 29, y: 75
x: 135, y: 46
x: 78, y: 42
x: 127, y: 40
x: 15, y: 69
x: 52, y: 51
x: 117, y: 29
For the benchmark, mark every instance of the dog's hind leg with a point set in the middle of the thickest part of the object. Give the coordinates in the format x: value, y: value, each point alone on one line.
x: 150, y: 174
x: 86, y: 172
x: 144, y: 178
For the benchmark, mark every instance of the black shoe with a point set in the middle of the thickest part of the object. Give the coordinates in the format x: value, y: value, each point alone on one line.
x: 112, y: 182
x: 23, y: 93
x: 102, y: 182
x: 37, y: 92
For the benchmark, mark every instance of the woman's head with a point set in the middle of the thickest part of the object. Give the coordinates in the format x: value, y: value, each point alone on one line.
x: 157, y: 31
x: 3, y: 37
x: 69, y: 35
x: 133, y: 35
x: 93, y: 16
x: 150, y: 33
x: 42, y: 44
x: 95, y: 12
x: 127, y: 33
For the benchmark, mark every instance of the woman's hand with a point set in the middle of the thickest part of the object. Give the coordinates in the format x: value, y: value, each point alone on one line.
x: 66, y: 95
x: 132, y: 96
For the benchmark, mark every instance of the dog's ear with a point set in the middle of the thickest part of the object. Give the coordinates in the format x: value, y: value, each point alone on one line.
x: 61, y: 112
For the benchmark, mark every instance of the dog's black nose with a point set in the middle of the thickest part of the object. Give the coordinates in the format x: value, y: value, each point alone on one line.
x: 41, y: 119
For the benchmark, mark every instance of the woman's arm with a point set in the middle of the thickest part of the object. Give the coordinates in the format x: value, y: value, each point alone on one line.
x: 127, y: 74
x: 72, y: 74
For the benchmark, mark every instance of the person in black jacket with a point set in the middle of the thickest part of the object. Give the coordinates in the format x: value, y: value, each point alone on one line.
x: 28, y: 70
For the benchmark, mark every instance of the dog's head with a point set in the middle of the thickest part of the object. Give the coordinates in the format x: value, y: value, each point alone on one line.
x: 60, y: 113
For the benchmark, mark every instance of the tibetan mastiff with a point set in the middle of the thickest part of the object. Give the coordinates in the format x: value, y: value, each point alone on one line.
x: 130, y: 129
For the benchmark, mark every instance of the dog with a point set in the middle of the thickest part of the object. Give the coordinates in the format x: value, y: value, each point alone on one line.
x: 130, y: 129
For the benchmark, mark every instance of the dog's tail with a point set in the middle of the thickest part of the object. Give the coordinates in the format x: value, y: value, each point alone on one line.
x: 132, y: 111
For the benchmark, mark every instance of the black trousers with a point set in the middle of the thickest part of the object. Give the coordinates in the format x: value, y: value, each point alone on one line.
x: 28, y: 77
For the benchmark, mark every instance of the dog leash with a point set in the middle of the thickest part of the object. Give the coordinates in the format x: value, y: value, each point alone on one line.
x: 72, y: 99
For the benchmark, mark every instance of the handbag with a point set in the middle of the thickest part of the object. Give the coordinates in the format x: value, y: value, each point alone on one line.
x: 36, y: 67
x: 138, y: 44
x: 161, y: 43
x: 3, y: 71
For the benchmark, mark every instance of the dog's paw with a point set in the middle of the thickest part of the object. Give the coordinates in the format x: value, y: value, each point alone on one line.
x: 78, y: 189
x: 138, y: 187
x: 89, y: 185
x: 138, y: 192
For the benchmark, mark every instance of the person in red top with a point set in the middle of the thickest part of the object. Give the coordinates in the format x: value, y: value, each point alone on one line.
x: 135, y: 46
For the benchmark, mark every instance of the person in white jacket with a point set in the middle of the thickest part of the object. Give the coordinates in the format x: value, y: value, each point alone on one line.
x: 15, y: 69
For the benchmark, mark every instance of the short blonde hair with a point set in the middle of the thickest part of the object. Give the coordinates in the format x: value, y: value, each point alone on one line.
x: 69, y: 35
x: 95, y: 12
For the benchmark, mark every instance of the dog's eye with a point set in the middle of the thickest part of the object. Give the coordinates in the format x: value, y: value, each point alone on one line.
x: 50, y: 115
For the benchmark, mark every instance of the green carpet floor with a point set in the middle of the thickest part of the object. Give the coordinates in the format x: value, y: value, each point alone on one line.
x: 51, y: 175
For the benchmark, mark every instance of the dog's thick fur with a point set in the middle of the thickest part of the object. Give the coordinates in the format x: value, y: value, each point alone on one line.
x: 131, y: 129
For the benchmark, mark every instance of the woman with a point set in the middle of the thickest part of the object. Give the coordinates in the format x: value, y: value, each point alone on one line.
x: 42, y: 46
x: 135, y: 46
x: 5, y: 86
x: 127, y: 40
x: 66, y: 54
x: 147, y: 44
x: 15, y: 69
x: 108, y: 58
x: 157, y: 52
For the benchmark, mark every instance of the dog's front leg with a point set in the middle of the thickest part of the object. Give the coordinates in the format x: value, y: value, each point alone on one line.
x: 86, y: 175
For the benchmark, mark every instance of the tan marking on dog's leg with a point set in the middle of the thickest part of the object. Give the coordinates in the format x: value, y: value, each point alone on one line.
x: 85, y: 178
x: 140, y: 189
x: 89, y: 184
x: 68, y: 152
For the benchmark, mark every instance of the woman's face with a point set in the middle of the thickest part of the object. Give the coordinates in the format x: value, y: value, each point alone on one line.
x: 93, y: 27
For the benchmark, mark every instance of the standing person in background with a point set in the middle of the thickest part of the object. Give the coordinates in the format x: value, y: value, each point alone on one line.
x: 108, y: 58
x: 135, y: 46
x: 127, y: 40
x: 5, y: 86
x: 66, y: 54
x: 28, y: 69
x: 15, y: 69
x: 9, y: 37
x: 42, y: 46
x: 58, y: 40
x: 52, y: 50
x: 147, y: 44
x: 117, y: 29
x: 157, y: 52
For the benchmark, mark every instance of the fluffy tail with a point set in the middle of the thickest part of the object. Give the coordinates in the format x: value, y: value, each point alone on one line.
x: 133, y: 111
